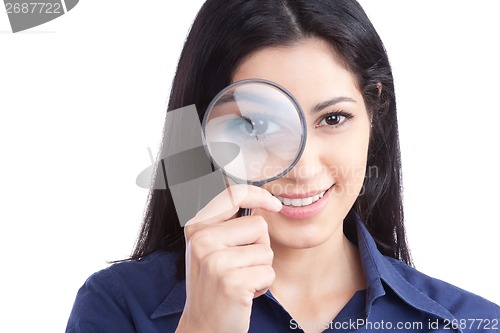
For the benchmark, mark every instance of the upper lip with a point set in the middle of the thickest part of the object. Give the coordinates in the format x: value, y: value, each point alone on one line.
x: 300, y: 195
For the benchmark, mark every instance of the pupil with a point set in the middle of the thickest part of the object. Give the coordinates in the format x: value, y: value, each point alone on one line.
x: 260, y: 126
x: 332, y: 120
x: 256, y: 127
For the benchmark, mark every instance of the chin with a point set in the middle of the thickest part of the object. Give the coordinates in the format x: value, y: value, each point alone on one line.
x: 304, y: 233
x: 297, y: 242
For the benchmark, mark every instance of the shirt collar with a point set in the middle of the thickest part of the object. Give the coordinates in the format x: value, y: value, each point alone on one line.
x: 380, y: 268
x: 377, y: 268
x: 174, y: 303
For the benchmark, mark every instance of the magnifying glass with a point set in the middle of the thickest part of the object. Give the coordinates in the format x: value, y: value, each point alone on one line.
x: 264, y: 122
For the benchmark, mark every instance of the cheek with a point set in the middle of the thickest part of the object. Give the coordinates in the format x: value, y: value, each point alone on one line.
x: 348, y: 163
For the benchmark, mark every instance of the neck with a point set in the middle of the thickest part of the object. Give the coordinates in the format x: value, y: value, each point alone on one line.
x: 333, y: 267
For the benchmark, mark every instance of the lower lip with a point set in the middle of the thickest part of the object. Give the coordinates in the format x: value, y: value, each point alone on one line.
x: 308, y: 211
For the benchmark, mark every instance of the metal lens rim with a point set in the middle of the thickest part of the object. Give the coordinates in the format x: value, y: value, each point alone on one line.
x: 302, y: 123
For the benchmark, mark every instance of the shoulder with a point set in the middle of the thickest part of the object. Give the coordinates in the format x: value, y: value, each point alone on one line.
x: 158, y: 267
x: 147, y: 276
x: 115, y: 295
x: 460, y: 303
x: 160, y: 263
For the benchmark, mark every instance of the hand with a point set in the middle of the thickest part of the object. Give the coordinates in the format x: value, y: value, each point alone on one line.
x: 228, y: 261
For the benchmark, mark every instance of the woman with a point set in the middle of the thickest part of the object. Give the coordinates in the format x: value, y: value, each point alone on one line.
x: 325, y: 248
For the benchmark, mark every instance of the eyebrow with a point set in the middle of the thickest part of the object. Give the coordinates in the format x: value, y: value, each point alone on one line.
x: 246, y: 97
x: 225, y: 99
x: 317, y: 108
x: 330, y: 102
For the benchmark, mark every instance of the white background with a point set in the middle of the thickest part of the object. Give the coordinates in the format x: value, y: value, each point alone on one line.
x: 83, y: 96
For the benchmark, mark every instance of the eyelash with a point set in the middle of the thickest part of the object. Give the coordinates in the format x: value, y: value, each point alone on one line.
x: 346, y: 116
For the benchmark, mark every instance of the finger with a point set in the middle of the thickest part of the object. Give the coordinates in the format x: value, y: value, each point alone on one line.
x: 254, y: 279
x: 237, y: 232
x: 246, y: 230
x: 260, y: 292
x: 221, y: 261
x: 227, y: 203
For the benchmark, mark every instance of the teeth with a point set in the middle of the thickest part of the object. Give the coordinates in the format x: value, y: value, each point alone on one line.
x: 301, y: 202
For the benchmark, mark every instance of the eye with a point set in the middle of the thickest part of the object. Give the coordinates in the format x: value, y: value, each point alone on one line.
x: 254, y: 128
x: 258, y: 126
x: 334, y: 119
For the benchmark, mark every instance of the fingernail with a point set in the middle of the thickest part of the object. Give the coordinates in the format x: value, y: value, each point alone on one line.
x: 277, y: 203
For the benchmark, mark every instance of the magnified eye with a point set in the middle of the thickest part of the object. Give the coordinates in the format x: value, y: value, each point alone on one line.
x: 254, y: 127
x: 258, y: 126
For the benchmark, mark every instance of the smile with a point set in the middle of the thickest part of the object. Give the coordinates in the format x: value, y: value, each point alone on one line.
x: 306, y: 205
x: 299, y: 202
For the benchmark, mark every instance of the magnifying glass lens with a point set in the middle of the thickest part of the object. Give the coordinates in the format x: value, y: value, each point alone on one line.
x: 264, y: 121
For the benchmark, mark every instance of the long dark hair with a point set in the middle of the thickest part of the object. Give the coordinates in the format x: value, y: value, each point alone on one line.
x: 223, y: 34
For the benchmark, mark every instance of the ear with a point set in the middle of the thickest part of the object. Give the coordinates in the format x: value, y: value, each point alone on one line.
x: 379, y: 87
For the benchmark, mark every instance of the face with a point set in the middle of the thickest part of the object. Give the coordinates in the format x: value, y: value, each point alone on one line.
x: 322, y: 187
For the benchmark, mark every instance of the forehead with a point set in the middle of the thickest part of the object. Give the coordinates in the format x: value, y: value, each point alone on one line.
x: 310, y: 69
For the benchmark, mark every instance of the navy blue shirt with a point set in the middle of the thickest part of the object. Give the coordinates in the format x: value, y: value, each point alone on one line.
x: 145, y: 296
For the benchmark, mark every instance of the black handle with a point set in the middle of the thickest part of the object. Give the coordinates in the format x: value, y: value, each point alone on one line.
x: 244, y: 212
